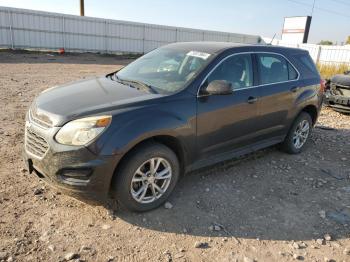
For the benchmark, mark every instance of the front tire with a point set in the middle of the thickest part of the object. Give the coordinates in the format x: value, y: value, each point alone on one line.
x: 298, y: 134
x: 147, y: 177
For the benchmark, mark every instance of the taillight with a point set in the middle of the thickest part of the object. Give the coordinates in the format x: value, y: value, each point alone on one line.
x: 323, y: 85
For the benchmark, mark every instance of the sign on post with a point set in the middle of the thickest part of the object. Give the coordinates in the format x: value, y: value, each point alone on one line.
x: 296, y: 29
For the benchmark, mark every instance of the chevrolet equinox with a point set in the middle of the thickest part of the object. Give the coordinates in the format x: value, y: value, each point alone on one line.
x: 130, y: 134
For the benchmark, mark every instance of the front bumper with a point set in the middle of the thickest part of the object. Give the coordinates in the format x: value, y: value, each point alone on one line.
x: 75, y: 171
x: 337, y: 102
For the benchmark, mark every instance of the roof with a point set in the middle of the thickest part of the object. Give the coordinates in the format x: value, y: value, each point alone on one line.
x: 208, y: 47
x: 218, y: 47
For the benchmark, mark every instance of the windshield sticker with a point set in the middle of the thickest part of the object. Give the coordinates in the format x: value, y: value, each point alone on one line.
x: 198, y: 54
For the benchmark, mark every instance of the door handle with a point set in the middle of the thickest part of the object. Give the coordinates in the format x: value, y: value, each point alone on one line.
x: 252, y: 100
x: 295, y: 89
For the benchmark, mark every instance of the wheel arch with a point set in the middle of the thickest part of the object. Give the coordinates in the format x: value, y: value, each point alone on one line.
x: 171, y: 142
x: 312, y: 111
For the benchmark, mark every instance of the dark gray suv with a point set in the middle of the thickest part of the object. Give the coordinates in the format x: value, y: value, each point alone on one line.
x: 131, y: 134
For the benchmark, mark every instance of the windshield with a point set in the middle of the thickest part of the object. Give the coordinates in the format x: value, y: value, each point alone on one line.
x: 165, y: 70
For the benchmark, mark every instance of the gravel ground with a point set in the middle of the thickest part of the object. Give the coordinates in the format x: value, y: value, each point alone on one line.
x: 267, y: 206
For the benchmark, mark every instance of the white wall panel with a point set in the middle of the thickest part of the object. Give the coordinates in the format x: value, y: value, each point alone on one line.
x: 4, y: 37
x: 125, y: 31
x: 36, y: 22
x: 216, y: 36
x: 160, y: 33
x: 85, y: 43
x: 119, y: 45
x: 5, y: 34
x: 22, y: 28
x: 237, y: 38
x: 188, y: 35
x: 78, y: 26
x: 4, y: 18
x: 46, y: 40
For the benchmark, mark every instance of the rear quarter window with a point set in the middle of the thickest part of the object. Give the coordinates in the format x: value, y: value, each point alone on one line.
x: 292, y: 73
x: 308, y: 65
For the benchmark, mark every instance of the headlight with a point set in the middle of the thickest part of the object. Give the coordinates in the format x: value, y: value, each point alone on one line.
x: 82, y: 131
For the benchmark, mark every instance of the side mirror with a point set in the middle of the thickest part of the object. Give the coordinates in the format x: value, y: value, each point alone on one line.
x: 219, y: 87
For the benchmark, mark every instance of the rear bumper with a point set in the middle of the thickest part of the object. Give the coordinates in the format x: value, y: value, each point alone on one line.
x: 337, y: 102
x: 75, y: 171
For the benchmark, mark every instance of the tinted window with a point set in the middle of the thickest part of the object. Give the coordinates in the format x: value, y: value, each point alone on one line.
x: 236, y: 69
x: 292, y: 73
x: 272, y: 68
x: 307, y: 62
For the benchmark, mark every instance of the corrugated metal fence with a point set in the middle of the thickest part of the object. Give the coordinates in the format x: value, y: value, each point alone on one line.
x: 21, y: 28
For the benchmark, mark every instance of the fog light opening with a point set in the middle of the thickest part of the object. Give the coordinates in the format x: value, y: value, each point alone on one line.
x: 78, y: 174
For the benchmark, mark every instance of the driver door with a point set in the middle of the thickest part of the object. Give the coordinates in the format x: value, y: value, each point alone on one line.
x: 227, y: 122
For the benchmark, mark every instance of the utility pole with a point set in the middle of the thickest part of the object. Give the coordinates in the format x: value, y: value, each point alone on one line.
x: 313, y: 7
x: 81, y: 7
x: 308, y: 24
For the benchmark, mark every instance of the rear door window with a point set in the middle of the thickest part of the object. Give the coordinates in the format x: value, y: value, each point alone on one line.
x: 275, y: 68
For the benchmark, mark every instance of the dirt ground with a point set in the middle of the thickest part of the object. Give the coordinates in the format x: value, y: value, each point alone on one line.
x: 268, y: 206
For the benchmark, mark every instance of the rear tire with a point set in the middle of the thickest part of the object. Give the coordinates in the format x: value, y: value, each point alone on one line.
x: 147, y: 177
x: 298, y: 135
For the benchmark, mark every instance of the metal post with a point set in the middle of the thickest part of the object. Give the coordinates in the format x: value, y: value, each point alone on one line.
x: 82, y: 8
x: 106, y: 36
x: 143, y: 39
x: 318, y: 54
x: 175, y: 34
x: 11, y: 31
x: 63, y: 33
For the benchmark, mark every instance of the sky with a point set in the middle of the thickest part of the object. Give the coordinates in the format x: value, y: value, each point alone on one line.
x: 331, y: 18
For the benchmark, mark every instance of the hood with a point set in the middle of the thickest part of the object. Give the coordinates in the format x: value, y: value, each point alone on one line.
x: 342, y: 80
x: 86, y: 97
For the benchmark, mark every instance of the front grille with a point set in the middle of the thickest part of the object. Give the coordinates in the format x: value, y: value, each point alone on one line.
x: 35, y: 144
x: 39, y: 119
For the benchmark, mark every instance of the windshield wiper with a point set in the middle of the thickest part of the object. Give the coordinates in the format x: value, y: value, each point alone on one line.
x: 147, y: 86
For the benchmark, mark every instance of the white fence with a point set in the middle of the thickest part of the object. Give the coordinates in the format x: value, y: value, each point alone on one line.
x: 327, y: 54
x: 21, y: 28
x: 322, y: 54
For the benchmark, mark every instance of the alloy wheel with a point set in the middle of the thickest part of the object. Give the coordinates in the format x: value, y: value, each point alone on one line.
x: 151, y: 180
x: 301, y: 134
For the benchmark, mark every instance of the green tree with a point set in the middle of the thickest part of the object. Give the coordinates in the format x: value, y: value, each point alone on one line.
x: 325, y: 42
x: 348, y: 41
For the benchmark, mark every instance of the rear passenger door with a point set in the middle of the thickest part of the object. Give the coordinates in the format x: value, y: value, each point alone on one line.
x: 278, y: 88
